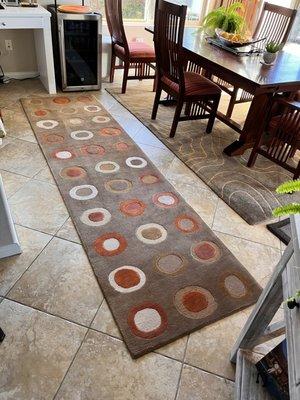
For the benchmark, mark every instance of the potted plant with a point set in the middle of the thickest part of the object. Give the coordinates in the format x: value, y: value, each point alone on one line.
x: 229, y: 19
x: 270, y: 53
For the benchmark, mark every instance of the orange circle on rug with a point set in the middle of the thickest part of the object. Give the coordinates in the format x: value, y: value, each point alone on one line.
x: 149, y: 179
x: 133, y: 207
x: 206, y: 252
x: 74, y: 172
x: 147, y: 320
x: 54, y: 138
x: 127, y: 278
x: 84, y: 99
x: 93, y: 149
x: 195, y: 302
x: 41, y: 113
x: 110, y: 244
x: 110, y: 131
x: 122, y: 146
x: 61, y: 100
x: 186, y: 224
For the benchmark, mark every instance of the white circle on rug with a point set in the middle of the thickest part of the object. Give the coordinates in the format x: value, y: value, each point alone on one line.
x: 151, y: 233
x: 147, y: 320
x: 76, y: 121
x: 127, y: 279
x: 95, y: 217
x: 136, y: 162
x: 111, y: 244
x: 107, y: 167
x: 81, y: 135
x: 47, y: 124
x: 89, y: 192
x: 92, y: 109
x: 63, y: 154
x: 99, y: 119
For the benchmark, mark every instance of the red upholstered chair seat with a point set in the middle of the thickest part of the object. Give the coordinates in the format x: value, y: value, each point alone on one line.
x: 137, y: 50
x: 195, y: 84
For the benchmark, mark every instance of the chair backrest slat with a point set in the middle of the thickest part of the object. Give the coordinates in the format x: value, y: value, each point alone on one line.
x: 275, y: 23
x: 168, y: 37
x: 113, y: 11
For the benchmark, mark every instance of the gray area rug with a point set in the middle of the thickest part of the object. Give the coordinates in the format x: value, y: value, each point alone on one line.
x: 249, y: 192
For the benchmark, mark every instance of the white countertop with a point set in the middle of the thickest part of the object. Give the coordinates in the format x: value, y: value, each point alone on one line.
x: 23, y: 12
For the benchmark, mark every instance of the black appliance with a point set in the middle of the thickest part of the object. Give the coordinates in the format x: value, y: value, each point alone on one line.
x: 77, y: 49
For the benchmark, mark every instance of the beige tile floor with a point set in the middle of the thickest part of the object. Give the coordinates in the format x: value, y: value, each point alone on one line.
x: 62, y: 342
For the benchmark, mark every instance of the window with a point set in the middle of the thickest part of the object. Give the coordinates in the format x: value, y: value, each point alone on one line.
x: 143, y: 10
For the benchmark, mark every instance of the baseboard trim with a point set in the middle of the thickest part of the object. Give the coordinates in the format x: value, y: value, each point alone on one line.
x: 21, y: 75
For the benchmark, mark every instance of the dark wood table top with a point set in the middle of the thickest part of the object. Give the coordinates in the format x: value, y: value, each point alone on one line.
x: 285, y: 71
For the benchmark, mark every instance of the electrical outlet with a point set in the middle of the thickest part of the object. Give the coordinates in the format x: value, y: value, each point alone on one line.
x: 8, y: 45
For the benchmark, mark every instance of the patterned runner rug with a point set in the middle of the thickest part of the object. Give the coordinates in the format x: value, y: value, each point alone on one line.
x: 162, y: 270
x: 249, y: 192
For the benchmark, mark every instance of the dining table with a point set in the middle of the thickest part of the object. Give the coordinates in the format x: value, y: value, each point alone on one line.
x: 249, y: 73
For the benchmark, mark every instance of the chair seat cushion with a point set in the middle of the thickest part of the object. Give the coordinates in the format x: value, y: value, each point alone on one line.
x: 138, y: 50
x: 195, y: 85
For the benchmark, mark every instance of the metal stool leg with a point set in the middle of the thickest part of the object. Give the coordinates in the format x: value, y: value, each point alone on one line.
x: 2, y: 335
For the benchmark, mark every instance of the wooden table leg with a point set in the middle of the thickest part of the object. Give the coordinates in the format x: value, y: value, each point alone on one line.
x: 253, y: 126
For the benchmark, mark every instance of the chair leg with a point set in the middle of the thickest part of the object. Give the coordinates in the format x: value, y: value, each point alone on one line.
x: 176, y: 117
x: 156, y: 101
x: 232, y: 103
x: 125, y: 76
x: 187, y: 108
x: 212, y: 116
x: 112, y: 68
x: 252, y: 158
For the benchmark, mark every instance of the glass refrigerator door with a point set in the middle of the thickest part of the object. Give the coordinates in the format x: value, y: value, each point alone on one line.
x: 81, y: 52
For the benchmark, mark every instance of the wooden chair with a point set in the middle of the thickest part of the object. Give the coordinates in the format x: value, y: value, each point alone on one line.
x: 282, y: 137
x: 275, y: 23
x: 138, y: 56
x: 185, y: 86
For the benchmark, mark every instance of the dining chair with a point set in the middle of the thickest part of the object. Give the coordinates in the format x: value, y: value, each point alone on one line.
x: 176, y: 70
x: 136, y: 56
x: 281, y: 138
x: 274, y: 24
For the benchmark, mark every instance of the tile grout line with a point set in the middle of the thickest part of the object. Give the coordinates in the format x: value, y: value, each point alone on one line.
x: 35, y: 258
x: 181, y: 369
x: 90, y: 328
x: 79, y: 347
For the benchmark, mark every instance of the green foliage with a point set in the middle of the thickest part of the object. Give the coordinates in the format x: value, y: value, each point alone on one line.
x: 289, y: 187
x: 229, y: 19
x: 273, y: 47
x: 293, y: 208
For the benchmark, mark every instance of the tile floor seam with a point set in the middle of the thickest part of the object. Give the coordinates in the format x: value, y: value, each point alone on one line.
x: 46, y: 312
x: 247, y: 240
x: 215, y: 212
x: 209, y: 372
x: 39, y: 253
x: 16, y: 173
x: 181, y: 369
x: 71, y: 363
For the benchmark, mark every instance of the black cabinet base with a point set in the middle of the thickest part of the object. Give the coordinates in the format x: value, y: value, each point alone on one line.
x: 2, y: 335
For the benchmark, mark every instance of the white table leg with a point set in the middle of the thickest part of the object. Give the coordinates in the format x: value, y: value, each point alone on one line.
x: 44, y: 53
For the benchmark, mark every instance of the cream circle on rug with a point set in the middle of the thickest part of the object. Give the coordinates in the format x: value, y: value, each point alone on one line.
x: 99, y: 119
x: 81, y: 135
x: 83, y: 192
x: 136, y: 162
x: 147, y: 320
x: 151, y: 233
x: 63, y: 154
x: 127, y: 279
x: 76, y: 121
x: 95, y: 217
x: 92, y: 108
x: 111, y: 244
x: 107, y: 167
x: 47, y: 124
